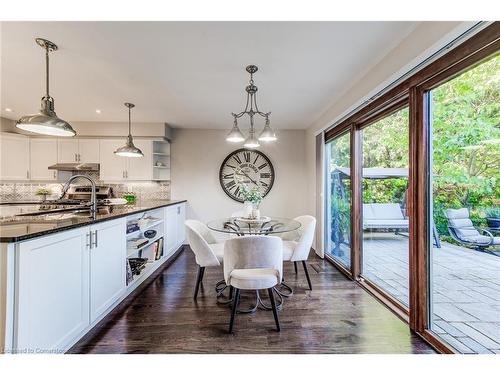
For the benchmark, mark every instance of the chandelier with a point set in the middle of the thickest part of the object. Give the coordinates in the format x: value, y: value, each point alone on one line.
x: 251, y: 109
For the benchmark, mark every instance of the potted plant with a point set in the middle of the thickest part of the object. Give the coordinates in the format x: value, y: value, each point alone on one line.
x: 252, y: 198
x: 43, y: 192
x: 493, y: 217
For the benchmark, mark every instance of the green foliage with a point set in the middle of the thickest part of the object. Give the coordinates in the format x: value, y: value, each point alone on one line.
x: 253, y: 195
x: 465, y: 147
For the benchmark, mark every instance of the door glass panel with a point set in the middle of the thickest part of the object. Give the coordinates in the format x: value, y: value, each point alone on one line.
x: 338, y: 199
x: 465, y: 195
x: 385, y: 218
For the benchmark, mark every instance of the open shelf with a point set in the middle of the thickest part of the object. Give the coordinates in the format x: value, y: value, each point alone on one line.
x: 132, y: 251
x: 145, y: 228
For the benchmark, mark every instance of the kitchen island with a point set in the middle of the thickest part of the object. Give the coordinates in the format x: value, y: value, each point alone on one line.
x: 62, y: 272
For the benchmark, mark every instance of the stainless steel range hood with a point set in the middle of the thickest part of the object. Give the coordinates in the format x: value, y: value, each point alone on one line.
x: 72, y: 167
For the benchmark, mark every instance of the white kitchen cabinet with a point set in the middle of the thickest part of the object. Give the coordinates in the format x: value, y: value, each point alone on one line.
x: 140, y: 169
x: 174, y: 226
x: 112, y: 167
x: 181, y: 228
x: 170, y: 228
x: 14, y: 157
x: 78, y: 150
x: 88, y: 150
x: 120, y: 168
x: 107, y: 265
x: 53, y: 291
x: 43, y: 153
x: 67, y: 150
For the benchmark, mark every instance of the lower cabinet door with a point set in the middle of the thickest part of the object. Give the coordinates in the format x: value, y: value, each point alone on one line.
x: 107, y: 265
x: 53, y: 292
x: 171, y: 231
x: 181, y: 218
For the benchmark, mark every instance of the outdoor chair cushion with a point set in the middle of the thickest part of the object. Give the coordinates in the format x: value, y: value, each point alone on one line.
x: 461, y: 224
x: 383, y: 215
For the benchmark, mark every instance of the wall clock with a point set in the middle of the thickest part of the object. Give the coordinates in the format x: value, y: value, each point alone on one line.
x: 246, y: 167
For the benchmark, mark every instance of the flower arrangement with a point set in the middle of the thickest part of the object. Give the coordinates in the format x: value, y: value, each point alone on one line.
x: 253, y: 195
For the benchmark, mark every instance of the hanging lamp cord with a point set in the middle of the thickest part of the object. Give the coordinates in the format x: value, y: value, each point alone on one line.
x: 47, y: 71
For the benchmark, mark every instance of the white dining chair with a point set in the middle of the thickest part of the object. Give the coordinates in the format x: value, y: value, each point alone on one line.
x: 253, y: 263
x: 207, y: 251
x: 297, y: 250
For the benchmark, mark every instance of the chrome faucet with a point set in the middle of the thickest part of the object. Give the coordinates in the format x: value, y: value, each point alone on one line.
x: 93, y: 197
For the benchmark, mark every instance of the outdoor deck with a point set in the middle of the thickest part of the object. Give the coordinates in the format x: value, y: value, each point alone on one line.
x: 466, y: 288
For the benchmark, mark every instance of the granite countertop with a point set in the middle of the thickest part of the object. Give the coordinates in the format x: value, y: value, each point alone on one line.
x: 20, y: 228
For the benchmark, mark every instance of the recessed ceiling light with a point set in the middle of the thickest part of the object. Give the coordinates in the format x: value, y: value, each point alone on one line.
x: 98, y: 111
x: 8, y: 110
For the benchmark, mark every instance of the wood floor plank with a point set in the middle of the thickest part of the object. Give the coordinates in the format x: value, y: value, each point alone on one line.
x: 337, y: 316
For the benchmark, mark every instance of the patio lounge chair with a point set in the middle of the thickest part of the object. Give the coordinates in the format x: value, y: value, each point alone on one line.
x: 463, y: 231
x: 384, y: 216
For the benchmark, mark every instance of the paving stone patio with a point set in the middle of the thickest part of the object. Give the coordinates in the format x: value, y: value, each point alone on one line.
x: 465, y: 283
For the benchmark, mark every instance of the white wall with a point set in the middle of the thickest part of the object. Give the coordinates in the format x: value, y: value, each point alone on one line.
x: 196, y: 158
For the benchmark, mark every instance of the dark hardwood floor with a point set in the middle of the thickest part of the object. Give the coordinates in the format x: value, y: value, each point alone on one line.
x: 337, y: 316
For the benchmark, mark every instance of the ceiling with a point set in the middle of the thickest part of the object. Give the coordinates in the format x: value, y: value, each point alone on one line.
x: 189, y: 74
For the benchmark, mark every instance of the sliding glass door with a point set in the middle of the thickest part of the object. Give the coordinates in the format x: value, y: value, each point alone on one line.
x: 338, y: 199
x: 385, y: 221
x: 464, y: 270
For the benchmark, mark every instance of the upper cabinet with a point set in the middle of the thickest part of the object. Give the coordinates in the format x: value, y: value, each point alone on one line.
x: 78, y: 150
x: 43, y: 153
x: 112, y: 167
x: 14, y: 157
x: 154, y: 165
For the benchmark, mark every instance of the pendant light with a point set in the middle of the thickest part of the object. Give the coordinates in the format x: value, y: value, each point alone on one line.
x: 129, y: 150
x: 251, y: 109
x: 235, y: 135
x: 267, y: 134
x: 46, y: 121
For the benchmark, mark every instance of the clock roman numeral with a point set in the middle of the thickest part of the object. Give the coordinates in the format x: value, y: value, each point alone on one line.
x: 237, y: 158
x: 230, y: 185
x: 256, y: 159
x: 263, y: 166
x: 230, y: 175
x: 237, y: 191
x: 230, y: 166
x: 247, y: 157
x: 265, y: 175
x: 264, y: 184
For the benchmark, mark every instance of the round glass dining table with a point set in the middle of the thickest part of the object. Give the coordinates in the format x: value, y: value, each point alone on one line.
x: 245, y: 227
x: 264, y: 226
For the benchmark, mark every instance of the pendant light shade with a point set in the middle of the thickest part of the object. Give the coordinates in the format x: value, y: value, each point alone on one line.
x: 129, y: 150
x: 267, y: 134
x: 46, y: 121
x: 251, y: 141
x: 235, y: 135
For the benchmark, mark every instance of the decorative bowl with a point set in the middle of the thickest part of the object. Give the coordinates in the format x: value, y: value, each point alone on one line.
x: 150, y: 233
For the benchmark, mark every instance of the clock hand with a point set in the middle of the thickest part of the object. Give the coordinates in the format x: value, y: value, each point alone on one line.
x: 250, y: 178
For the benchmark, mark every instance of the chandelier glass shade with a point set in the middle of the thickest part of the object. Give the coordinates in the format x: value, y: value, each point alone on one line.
x: 251, y: 110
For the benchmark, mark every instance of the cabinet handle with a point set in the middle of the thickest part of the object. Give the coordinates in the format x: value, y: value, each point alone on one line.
x: 79, y: 157
x: 94, y: 242
x: 123, y: 174
x: 27, y: 174
x: 55, y: 175
x: 88, y: 240
x: 76, y: 158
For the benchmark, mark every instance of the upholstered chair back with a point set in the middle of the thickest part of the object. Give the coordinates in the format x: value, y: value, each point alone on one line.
x: 253, y: 252
x: 199, y: 238
x: 460, y: 222
x: 306, y: 237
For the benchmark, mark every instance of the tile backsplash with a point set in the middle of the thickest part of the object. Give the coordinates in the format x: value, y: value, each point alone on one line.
x: 26, y: 191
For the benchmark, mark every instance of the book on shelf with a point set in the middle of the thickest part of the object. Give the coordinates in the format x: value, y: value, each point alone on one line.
x: 137, y: 243
x: 159, y: 252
